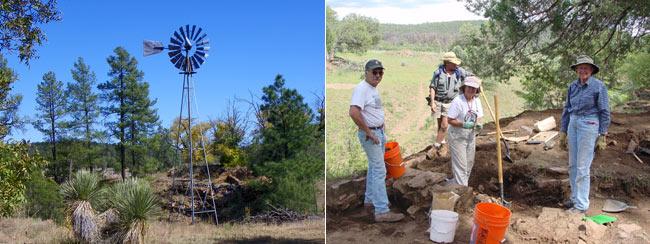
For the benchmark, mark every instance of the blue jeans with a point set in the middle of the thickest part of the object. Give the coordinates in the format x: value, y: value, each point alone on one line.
x: 376, y: 176
x: 582, y: 135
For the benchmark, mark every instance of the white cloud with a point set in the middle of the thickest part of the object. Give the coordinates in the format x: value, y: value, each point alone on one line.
x: 405, y: 11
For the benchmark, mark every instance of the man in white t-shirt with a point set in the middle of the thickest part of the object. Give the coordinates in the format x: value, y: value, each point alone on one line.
x: 367, y: 113
x: 465, y: 113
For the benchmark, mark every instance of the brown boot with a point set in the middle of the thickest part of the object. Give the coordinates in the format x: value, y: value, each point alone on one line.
x: 431, y: 154
x: 443, y: 151
x: 389, y: 217
x: 369, y: 208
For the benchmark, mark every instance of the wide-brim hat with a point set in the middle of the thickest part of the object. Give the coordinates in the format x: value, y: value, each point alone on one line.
x: 472, y: 81
x: 584, y: 59
x: 451, y: 57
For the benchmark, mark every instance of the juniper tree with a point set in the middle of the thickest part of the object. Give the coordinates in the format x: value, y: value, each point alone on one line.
x: 538, y: 40
x: 9, y: 103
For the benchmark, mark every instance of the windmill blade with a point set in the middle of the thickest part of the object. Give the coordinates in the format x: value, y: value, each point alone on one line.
x: 178, y: 37
x: 176, y: 42
x: 201, y: 38
x: 174, y: 53
x: 174, y: 59
x: 179, y: 61
x: 173, y: 47
x: 151, y: 47
x: 201, y: 53
x: 203, y: 43
x: 197, y: 33
x: 187, y: 31
x: 182, y: 33
x: 193, y: 29
x: 198, y: 58
x: 204, y: 48
x: 195, y: 64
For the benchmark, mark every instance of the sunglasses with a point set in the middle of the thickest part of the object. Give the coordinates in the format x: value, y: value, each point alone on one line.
x: 374, y: 72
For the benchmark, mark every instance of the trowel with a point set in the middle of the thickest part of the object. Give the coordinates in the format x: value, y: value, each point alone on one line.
x: 614, y: 206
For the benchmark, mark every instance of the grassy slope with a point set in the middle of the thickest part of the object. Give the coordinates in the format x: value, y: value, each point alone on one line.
x: 408, y: 119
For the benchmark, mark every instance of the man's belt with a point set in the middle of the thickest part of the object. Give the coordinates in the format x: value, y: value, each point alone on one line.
x: 376, y: 128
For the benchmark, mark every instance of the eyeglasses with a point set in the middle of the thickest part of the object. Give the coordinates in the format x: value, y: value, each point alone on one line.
x: 378, y: 72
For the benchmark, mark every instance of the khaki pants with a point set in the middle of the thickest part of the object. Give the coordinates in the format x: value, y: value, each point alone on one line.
x: 462, y: 147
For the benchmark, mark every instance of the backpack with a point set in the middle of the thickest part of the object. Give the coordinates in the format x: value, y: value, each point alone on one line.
x: 446, y: 92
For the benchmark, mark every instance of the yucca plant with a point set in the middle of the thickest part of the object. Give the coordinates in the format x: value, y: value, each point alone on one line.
x: 135, y: 203
x: 81, y: 193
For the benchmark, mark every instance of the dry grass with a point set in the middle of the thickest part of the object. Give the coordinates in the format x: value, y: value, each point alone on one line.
x: 308, y: 231
x: 28, y: 230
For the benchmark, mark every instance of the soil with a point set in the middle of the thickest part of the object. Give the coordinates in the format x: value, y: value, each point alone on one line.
x: 536, y: 183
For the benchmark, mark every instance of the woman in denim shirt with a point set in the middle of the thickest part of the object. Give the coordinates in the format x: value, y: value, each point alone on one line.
x: 585, y: 120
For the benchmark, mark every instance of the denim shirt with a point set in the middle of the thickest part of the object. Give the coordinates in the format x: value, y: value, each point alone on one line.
x: 588, y: 99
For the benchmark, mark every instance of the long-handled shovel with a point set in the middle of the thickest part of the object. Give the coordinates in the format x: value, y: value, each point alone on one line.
x: 498, y: 134
x: 508, y: 158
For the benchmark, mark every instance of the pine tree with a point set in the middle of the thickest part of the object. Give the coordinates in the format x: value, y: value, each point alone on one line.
x: 287, y: 127
x: 123, y: 73
x: 52, y: 107
x: 142, y: 120
x: 83, y: 105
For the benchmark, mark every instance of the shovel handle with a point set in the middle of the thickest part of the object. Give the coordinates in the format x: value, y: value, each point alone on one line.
x: 496, y: 121
x: 490, y: 109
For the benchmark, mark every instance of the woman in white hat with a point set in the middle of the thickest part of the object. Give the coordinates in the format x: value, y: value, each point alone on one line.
x: 464, y: 115
x: 585, y: 120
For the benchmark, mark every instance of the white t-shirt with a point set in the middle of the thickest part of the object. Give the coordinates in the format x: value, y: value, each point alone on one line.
x: 367, y: 98
x: 460, y: 109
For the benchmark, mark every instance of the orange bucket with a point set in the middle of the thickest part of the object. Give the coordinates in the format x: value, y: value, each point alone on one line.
x: 393, y: 161
x: 491, y: 222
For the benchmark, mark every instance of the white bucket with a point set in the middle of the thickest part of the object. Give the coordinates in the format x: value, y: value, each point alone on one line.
x: 443, y: 225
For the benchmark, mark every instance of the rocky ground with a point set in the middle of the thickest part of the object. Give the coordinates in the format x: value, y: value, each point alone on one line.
x: 536, y: 184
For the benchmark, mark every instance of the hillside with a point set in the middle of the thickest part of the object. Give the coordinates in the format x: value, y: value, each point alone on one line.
x: 437, y: 36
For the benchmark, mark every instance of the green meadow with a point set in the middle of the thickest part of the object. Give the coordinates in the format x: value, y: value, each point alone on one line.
x: 403, y: 90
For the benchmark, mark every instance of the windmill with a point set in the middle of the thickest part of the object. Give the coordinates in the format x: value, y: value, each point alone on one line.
x: 188, y: 50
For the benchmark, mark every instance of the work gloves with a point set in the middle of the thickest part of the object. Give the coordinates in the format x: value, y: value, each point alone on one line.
x: 478, y: 127
x: 563, y: 142
x: 468, y: 125
x: 600, y: 143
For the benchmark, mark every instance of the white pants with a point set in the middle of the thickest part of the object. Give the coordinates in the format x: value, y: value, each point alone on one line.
x: 462, y: 146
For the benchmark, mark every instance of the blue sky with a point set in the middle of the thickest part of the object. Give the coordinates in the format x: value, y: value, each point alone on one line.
x: 250, y: 43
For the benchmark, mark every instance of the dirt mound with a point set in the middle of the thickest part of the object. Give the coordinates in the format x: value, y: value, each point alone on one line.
x: 234, y: 188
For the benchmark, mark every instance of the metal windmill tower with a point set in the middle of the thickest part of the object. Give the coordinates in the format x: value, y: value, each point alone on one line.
x: 188, y: 48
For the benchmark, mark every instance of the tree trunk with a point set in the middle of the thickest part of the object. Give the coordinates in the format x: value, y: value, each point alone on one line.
x: 121, y: 124
x: 88, y: 152
x: 53, y: 139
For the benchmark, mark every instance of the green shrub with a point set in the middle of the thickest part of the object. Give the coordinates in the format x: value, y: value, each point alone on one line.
x: 16, y: 167
x: 43, y: 198
x: 293, y: 180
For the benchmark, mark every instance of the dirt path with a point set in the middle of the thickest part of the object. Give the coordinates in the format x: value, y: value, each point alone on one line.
x: 415, y: 118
